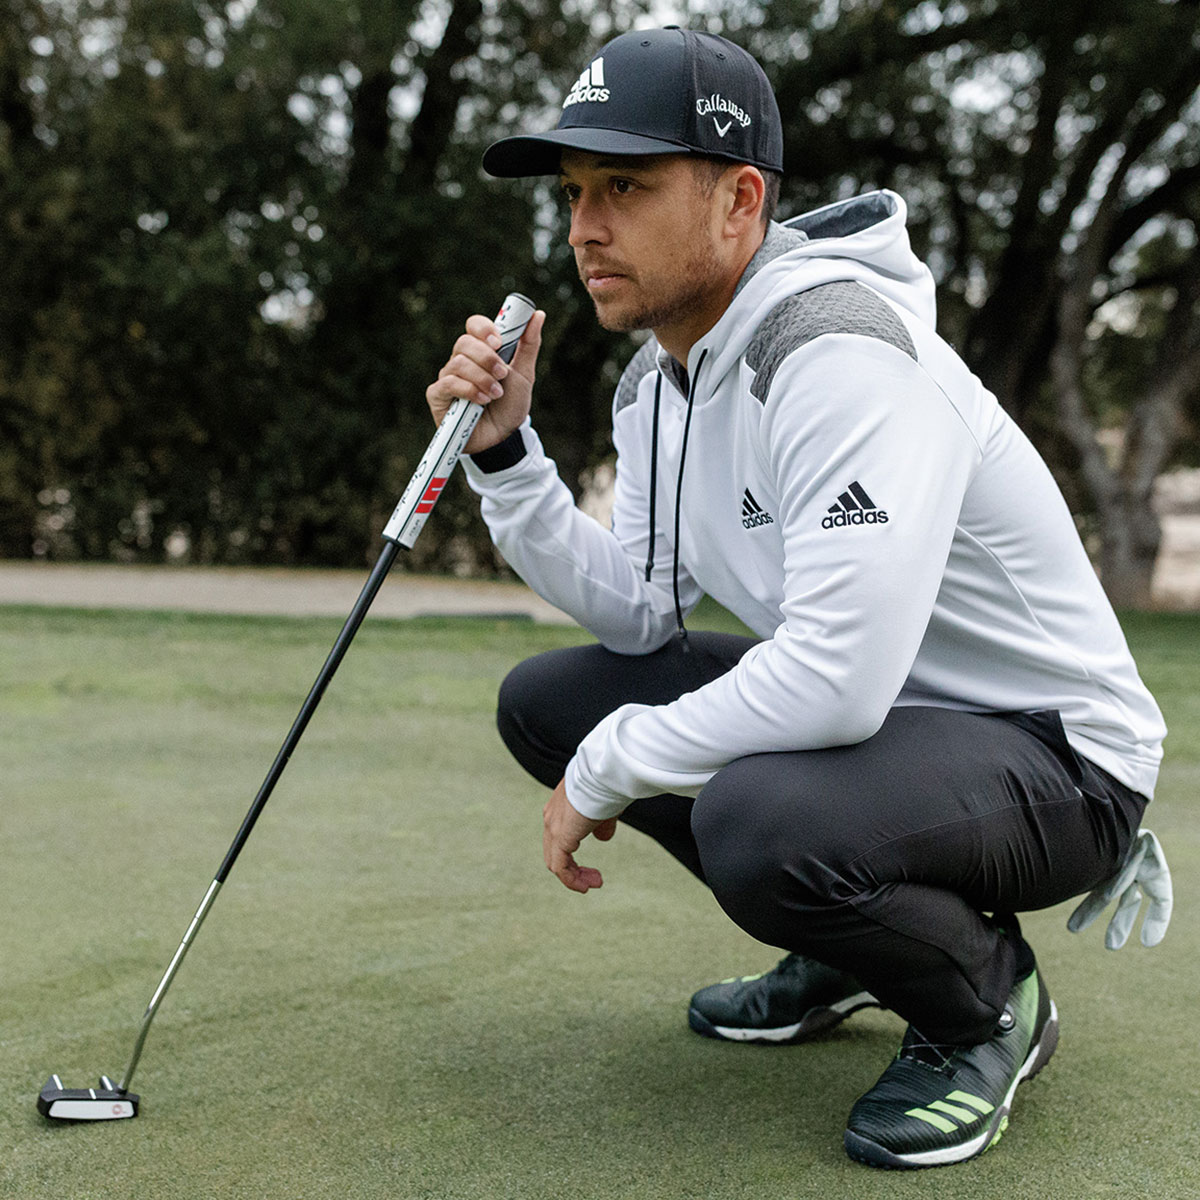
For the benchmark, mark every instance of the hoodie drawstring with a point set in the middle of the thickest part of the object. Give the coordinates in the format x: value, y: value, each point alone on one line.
x: 687, y: 425
x: 653, y: 473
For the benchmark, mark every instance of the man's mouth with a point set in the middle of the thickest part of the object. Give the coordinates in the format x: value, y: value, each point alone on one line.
x: 599, y: 279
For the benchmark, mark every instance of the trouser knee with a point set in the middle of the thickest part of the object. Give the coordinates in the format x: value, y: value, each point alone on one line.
x: 751, y: 853
x: 524, y: 720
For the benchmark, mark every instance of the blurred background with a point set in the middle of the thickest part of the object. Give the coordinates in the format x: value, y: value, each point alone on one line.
x: 238, y: 239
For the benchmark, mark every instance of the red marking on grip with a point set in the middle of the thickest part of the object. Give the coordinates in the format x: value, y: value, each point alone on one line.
x: 431, y: 494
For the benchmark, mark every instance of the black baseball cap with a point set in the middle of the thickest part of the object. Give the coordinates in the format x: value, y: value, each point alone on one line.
x: 658, y: 91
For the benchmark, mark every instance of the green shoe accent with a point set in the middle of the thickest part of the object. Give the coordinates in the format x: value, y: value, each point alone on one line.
x: 941, y: 1104
x: 999, y: 1133
x: 976, y: 1102
x: 933, y: 1119
x: 964, y: 1116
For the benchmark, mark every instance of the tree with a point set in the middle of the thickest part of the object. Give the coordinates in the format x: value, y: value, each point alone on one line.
x: 1051, y: 157
x: 132, y: 346
x: 239, y: 240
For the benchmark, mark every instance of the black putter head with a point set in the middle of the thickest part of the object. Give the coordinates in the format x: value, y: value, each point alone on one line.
x: 104, y: 1103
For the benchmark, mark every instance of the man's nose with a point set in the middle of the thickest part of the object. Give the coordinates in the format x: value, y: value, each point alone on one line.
x: 588, y: 226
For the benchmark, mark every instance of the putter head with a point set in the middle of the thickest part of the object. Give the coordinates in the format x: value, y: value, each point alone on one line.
x: 104, y: 1103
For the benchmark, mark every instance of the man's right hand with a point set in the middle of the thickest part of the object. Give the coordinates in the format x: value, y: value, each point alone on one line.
x: 477, y: 373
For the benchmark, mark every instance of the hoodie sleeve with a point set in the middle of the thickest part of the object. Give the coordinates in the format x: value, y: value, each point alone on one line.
x: 841, y: 410
x: 595, y: 575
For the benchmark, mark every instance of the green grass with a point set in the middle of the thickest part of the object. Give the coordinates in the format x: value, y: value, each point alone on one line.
x: 392, y: 998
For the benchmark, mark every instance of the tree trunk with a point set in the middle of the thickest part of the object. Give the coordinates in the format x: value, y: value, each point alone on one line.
x: 1129, y: 549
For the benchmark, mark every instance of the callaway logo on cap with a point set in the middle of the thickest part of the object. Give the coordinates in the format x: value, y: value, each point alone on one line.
x: 658, y: 91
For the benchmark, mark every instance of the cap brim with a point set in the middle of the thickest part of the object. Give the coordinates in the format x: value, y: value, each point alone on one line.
x: 539, y: 154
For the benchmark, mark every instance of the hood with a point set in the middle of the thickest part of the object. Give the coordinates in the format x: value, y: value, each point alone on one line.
x: 863, y: 239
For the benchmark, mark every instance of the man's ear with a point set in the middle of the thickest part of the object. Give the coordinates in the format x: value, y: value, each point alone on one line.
x: 743, y: 193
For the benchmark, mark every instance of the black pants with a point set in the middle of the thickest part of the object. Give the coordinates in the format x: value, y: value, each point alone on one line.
x: 901, y: 859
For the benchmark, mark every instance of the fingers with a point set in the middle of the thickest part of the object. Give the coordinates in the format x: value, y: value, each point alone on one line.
x: 561, y: 862
x: 1085, y: 913
x: 563, y: 829
x: 577, y: 878
x: 474, y: 370
x: 524, y: 361
x: 1123, y: 919
x: 482, y: 331
x: 558, y: 852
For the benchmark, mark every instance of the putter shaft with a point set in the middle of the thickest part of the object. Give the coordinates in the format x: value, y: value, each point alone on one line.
x: 165, y: 982
x: 401, y: 531
x: 332, y: 662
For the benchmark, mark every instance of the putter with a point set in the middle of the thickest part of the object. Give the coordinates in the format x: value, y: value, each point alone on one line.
x: 109, y: 1101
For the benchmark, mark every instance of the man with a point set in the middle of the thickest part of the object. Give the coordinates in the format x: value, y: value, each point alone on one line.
x: 941, y: 724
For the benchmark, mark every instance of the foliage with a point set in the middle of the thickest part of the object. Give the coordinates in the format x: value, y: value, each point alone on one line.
x: 236, y: 240
x: 239, y: 240
x: 1051, y: 159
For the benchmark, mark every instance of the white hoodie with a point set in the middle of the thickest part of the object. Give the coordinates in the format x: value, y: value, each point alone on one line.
x: 852, y: 493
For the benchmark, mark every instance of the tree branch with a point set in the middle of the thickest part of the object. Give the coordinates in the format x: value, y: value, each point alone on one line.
x: 1176, y: 80
x: 859, y: 44
x: 1175, y: 277
x: 434, y: 123
x: 1039, y: 164
x: 1165, y: 199
x: 1066, y: 370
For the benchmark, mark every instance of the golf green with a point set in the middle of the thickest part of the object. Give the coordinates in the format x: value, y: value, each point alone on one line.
x: 392, y: 998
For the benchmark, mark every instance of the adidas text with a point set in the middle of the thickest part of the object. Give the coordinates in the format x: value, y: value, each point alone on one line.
x: 875, y: 516
x: 753, y: 513
x: 854, y: 507
x: 589, y: 87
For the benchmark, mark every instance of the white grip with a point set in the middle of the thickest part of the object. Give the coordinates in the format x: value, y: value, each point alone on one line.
x: 452, y: 435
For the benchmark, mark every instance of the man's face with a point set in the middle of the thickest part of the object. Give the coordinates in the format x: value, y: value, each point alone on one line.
x: 644, y: 240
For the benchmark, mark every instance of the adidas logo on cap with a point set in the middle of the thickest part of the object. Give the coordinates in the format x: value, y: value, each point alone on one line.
x: 589, y: 88
x: 854, y: 507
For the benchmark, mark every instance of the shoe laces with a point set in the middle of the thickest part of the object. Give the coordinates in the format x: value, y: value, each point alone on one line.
x: 939, y: 1054
x: 933, y: 1054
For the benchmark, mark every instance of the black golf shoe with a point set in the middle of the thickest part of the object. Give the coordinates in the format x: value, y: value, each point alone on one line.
x: 795, y: 1001
x: 937, y: 1105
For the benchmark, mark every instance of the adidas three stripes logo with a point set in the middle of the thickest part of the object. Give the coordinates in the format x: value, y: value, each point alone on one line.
x: 753, y: 513
x: 962, y: 1107
x: 854, y: 507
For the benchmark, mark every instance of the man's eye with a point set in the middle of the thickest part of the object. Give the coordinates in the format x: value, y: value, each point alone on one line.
x: 622, y: 186
x: 569, y: 193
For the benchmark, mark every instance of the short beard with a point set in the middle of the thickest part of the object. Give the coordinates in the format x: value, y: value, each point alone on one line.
x: 689, y: 293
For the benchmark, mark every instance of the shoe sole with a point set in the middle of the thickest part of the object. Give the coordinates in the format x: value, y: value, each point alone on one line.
x: 863, y: 1150
x: 814, y: 1022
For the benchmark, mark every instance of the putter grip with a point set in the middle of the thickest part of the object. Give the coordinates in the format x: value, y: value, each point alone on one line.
x: 452, y: 435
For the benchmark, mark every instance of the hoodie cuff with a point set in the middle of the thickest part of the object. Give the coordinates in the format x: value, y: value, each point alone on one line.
x: 585, y: 801
x: 501, y: 456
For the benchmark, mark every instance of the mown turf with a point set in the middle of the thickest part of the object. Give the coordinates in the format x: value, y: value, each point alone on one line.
x: 393, y: 999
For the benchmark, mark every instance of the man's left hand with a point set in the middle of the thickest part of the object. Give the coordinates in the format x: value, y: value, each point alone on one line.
x: 563, y: 829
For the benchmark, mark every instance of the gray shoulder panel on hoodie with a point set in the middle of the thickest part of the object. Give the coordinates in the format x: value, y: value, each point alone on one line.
x: 841, y: 307
x: 640, y: 365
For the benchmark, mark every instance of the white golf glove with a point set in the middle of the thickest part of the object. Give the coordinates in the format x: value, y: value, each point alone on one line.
x: 1145, y: 869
